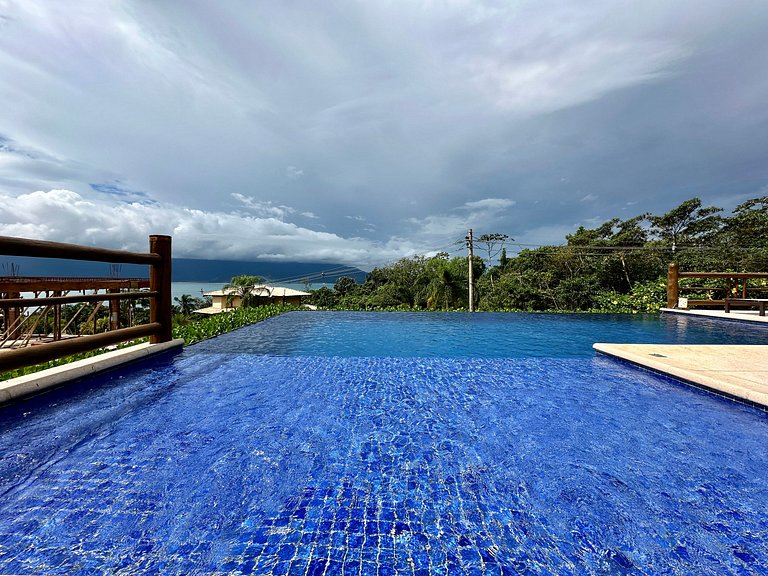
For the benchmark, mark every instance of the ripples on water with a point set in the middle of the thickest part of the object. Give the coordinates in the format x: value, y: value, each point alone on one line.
x: 485, y: 335
x: 445, y: 453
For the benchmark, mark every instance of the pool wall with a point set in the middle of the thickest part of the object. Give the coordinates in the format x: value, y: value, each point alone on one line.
x: 735, y: 371
x: 37, y: 382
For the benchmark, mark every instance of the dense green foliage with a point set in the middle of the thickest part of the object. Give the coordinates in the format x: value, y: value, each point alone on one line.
x: 619, y: 266
x: 209, y: 326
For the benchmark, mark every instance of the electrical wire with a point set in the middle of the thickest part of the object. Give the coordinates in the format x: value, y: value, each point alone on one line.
x: 458, y: 245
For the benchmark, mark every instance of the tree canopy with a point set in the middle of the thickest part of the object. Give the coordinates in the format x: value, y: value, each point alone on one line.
x: 619, y: 265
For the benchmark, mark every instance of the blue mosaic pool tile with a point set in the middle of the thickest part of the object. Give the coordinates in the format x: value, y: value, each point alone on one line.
x: 395, y: 474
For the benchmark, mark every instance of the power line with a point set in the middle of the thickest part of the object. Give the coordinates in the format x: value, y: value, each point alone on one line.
x: 332, y: 273
x: 458, y: 246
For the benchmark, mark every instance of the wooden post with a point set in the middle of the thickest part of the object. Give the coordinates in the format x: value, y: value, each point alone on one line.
x: 160, y: 282
x: 57, y: 318
x: 13, y: 319
x: 672, y: 285
x: 114, y: 311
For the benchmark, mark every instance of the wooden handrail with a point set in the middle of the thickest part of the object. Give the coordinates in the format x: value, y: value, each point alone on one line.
x: 20, y: 357
x: 44, y: 249
x: 673, y: 284
x: 735, y: 275
x: 27, y: 302
x: 47, y: 284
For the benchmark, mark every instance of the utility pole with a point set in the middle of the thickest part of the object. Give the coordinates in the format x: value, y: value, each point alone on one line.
x: 471, y: 273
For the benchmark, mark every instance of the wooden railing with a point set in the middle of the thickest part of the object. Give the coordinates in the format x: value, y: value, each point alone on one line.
x: 733, y: 285
x: 158, y: 329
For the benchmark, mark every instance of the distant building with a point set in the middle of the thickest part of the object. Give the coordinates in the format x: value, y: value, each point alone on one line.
x: 226, y: 300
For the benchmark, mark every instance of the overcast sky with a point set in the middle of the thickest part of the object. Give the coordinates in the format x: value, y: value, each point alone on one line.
x: 361, y: 132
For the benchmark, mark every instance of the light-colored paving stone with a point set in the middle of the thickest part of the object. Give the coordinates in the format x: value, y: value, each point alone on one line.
x: 740, y: 314
x: 737, y: 370
x: 38, y: 381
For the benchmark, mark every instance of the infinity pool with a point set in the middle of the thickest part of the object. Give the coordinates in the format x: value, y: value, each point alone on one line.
x: 335, y: 443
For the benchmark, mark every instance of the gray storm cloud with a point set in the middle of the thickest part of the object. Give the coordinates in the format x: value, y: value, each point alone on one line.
x: 368, y: 128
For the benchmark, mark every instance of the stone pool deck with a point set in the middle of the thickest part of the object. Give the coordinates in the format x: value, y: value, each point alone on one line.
x: 738, y: 314
x: 737, y: 371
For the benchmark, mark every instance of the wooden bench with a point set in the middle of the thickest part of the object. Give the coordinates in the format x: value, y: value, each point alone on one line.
x: 759, y: 302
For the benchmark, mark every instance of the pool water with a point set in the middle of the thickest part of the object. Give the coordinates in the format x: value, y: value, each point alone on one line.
x: 484, y: 335
x: 391, y: 444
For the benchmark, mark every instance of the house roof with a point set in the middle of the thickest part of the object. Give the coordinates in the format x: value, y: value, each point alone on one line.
x: 212, y: 310
x: 263, y: 290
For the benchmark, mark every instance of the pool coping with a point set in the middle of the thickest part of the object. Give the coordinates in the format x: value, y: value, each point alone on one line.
x: 732, y: 316
x: 738, y: 371
x: 30, y: 384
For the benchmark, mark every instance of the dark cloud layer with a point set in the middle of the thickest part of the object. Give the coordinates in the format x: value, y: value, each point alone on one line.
x: 362, y: 131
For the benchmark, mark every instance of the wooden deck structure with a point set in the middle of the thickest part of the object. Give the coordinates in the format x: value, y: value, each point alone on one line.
x: 732, y: 286
x: 58, y: 292
x: 759, y: 302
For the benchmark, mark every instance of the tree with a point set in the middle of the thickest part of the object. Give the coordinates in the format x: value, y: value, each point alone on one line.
x: 687, y: 224
x: 615, y: 232
x: 186, y: 304
x: 444, y: 283
x: 513, y: 291
x: 618, y: 258
x: 246, y: 288
x: 443, y: 290
x: 615, y: 242
x: 323, y: 297
x: 344, y: 285
x: 743, y: 240
x: 387, y: 296
x: 503, y: 259
x: 748, y: 227
x: 408, y: 275
x: 493, y: 245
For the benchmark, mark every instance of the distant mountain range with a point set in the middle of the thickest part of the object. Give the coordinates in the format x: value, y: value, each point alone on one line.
x: 184, y: 270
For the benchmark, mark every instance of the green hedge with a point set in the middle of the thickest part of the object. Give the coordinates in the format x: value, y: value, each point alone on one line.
x: 645, y: 297
x: 210, y: 326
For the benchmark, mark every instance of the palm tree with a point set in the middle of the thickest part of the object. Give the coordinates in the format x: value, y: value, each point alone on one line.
x: 245, y: 287
x: 186, y: 304
x: 443, y: 290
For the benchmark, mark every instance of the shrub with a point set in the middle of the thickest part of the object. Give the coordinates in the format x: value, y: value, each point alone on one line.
x: 646, y: 297
x: 210, y: 326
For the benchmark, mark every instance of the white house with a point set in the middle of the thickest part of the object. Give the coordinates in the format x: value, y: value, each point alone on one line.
x: 226, y: 300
